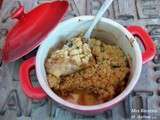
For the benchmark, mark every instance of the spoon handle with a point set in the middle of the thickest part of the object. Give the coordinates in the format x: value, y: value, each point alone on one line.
x: 100, y: 13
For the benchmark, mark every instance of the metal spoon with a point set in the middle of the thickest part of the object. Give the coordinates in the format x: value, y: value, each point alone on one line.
x: 100, y: 13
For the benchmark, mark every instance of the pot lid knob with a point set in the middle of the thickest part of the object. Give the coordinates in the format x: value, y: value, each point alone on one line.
x: 19, y: 13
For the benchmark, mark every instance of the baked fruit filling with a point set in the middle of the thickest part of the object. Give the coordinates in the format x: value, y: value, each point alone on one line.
x: 87, y: 74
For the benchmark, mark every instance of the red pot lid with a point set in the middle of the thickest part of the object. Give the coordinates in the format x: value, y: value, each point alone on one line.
x: 31, y: 29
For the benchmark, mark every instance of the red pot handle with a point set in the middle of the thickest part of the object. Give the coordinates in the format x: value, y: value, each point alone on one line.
x: 150, y: 48
x: 28, y: 88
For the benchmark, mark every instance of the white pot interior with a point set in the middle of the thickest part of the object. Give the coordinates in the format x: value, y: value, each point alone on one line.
x: 106, y: 30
